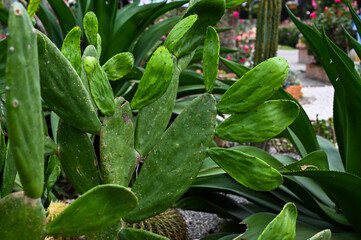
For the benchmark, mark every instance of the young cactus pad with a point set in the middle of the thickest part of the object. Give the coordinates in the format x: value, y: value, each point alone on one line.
x: 248, y: 170
x: 262, y: 123
x: 23, y: 102
x: 156, y: 79
x: 99, y: 86
x: 95, y: 210
x: 255, y: 86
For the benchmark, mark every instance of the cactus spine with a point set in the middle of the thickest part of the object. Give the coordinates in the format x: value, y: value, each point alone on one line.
x: 268, y: 19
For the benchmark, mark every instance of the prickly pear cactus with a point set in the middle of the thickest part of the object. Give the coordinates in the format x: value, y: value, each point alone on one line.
x: 23, y: 102
x: 21, y: 217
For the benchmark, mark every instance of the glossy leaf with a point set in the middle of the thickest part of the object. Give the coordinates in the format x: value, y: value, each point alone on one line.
x: 95, y: 210
x: 341, y: 186
x: 64, y: 15
x: 248, y: 170
x: 234, y: 3
x: 255, y: 86
x: 316, y: 160
x: 300, y: 132
x: 150, y: 38
x: 236, y: 68
x: 265, y: 122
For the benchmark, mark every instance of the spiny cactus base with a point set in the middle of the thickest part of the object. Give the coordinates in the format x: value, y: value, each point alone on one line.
x: 169, y: 224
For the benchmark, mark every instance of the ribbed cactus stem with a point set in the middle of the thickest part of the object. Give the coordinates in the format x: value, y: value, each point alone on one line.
x: 267, y: 30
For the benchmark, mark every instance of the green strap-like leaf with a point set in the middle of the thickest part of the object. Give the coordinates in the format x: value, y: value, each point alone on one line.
x: 237, y: 68
x: 64, y: 15
x: 150, y: 38
x: 316, y: 160
x: 234, y: 3
x: 341, y: 186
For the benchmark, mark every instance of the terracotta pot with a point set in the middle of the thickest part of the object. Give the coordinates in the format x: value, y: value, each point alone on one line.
x: 295, y: 91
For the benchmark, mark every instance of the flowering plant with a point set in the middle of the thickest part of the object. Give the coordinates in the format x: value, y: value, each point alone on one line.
x: 332, y: 15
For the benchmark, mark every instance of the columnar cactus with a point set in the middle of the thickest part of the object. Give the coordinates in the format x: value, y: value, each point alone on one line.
x: 268, y: 19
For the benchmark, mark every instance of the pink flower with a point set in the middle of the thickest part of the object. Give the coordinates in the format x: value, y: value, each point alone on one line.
x: 251, y: 46
x: 228, y: 58
x: 337, y: 1
x: 313, y: 15
x: 243, y: 60
x: 241, y: 20
x: 358, y: 11
x: 240, y: 45
x: 238, y: 38
x: 246, y: 48
x: 326, y: 8
x: 236, y: 14
x: 161, y: 20
x: 298, y: 18
x: 314, y: 5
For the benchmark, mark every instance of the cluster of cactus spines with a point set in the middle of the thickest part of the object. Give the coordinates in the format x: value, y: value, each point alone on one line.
x: 268, y: 19
x: 169, y: 224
